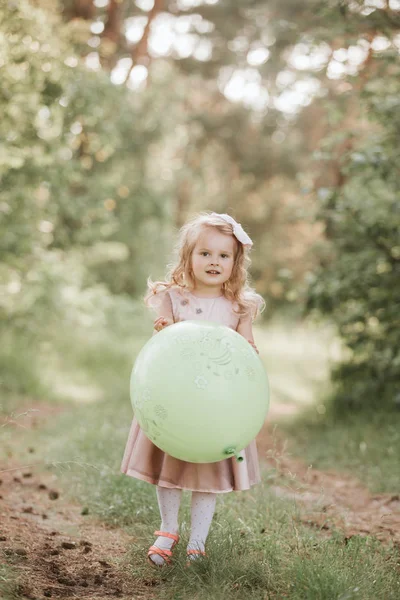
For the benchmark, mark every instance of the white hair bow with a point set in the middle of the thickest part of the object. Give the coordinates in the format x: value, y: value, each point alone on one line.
x: 238, y: 230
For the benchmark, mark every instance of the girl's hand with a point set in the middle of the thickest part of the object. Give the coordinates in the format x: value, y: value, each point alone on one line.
x: 254, y: 346
x: 162, y: 322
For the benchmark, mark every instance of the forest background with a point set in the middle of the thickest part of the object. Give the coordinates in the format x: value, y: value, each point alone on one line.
x: 120, y: 119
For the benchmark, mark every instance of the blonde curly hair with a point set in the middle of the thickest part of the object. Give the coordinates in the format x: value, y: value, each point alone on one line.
x: 180, y: 274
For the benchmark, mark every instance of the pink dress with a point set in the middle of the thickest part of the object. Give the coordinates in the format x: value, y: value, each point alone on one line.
x: 143, y: 460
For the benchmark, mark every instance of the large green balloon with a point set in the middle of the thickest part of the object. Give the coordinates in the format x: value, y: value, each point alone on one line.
x: 199, y: 391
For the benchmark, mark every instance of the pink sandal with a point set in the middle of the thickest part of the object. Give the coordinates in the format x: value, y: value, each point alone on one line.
x: 165, y: 554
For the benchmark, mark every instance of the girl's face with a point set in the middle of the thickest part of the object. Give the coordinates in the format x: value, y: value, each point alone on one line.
x: 212, y: 259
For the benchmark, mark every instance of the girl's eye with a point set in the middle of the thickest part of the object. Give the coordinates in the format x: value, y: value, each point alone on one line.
x: 203, y: 253
x: 224, y: 255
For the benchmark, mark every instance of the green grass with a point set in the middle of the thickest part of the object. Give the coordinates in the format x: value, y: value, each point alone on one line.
x: 9, y: 589
x: 70, y: 366
x: 283, y: 562
x: 20, y: 378
x: 258, y: 548
x: 367, y: 445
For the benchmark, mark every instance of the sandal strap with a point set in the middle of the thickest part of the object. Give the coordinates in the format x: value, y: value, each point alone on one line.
x: 196, y: 552
x: 165, y: 554
x: 173, y: 536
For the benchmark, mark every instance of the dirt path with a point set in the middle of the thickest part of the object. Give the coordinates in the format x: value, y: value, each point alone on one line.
x: 331, y: 500
x: 58, y: 551
x: 61, y: 553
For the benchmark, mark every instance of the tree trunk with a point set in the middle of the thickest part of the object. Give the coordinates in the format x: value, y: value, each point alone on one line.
x: 112, y: 28
x: 139, y: 53
x: 81, y: 9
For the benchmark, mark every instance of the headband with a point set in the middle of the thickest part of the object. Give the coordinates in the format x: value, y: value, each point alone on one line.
x: 238, y: 230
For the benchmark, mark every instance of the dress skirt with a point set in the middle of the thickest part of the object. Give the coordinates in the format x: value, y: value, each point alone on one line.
x: 144, y: 460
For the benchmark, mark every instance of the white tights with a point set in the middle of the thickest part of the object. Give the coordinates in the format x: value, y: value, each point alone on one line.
x: 202, y: 511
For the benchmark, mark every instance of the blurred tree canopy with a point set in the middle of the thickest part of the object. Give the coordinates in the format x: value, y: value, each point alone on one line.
x: 123, y: 117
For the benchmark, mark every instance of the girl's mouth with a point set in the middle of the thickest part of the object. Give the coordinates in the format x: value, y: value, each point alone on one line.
x: 213, y: 272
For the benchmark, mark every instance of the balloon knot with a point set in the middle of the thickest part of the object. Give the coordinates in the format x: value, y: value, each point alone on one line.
x: 232, y: 452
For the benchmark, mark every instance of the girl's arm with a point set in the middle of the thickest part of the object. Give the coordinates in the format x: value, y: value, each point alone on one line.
x: 245, y: 328
x: 165, y: 315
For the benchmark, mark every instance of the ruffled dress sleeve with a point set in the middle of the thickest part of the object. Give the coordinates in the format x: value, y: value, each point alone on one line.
x: 161, y: 304
x: 253, y: 311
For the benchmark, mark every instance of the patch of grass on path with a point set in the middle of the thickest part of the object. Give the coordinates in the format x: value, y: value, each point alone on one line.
x: 257, y: 546
x: 367, y: 445
x: 8, y: 581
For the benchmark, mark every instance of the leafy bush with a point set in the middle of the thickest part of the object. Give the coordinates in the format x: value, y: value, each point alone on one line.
x: 358, y: 284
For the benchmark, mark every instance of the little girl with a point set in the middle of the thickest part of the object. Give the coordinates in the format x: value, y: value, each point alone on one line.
x: 209, y: 283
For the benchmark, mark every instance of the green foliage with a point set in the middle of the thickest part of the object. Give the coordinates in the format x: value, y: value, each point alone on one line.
x: 96, y: 176
x: 359, y: 286
x: 73, y: 198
